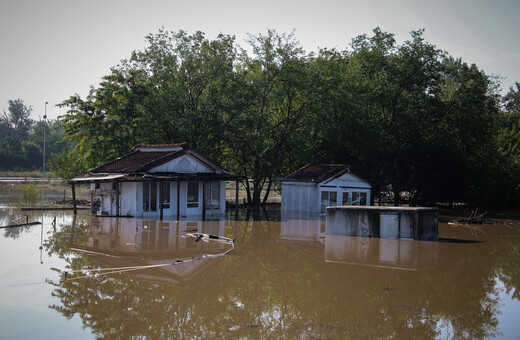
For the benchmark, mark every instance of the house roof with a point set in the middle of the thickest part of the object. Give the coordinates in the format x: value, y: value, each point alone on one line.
x: 138, y: 161
x: 136, y: 165
x: 317, y: 172
x: 163, y: 146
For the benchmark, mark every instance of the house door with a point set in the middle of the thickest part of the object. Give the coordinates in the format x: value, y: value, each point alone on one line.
x: 212, y: 197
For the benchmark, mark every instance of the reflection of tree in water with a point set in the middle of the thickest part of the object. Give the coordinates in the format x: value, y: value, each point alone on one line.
x: 510, y: 272
x: 58, y: 242
x: 16, y: 232
x: 274, y: 290
x: 508, y: 265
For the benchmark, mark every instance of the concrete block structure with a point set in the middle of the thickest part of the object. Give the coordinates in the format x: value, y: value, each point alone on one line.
x: 409, y: 223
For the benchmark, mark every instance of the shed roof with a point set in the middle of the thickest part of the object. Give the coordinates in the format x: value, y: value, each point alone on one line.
x: 317, y: 172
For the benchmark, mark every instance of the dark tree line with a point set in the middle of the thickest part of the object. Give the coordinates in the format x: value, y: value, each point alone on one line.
x: 21, y: 138
x: 415, y: 122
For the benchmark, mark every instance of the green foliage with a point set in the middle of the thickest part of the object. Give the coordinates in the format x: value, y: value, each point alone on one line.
x: 21, y: 138
x: 68, y: 164
x: 29, y: 195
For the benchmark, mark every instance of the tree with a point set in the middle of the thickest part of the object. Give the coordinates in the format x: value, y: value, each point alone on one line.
x: 15, y: 127
x: 279, y: 89
x: 18, y: 114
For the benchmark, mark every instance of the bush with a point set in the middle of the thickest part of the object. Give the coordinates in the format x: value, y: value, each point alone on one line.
x: 29, y: 195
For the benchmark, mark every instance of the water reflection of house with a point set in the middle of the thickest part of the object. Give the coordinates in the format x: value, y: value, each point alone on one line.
x: 128, y: 242
x: 314, y: 187
x: 306, y: 233
x: 159, y: 180
x: 302, y: 226
x: 380, y: 252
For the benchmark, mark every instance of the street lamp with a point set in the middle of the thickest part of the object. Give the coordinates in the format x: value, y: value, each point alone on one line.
x: 44, y: 121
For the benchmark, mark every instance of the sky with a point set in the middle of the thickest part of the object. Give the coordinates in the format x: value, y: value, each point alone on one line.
x: 52, y: 49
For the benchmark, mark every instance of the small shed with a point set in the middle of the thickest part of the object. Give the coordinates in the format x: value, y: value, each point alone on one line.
x: 315, y: 187
x: 158, y: 180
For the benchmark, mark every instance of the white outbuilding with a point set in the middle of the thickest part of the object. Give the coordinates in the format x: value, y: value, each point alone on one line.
x: 314, y: 187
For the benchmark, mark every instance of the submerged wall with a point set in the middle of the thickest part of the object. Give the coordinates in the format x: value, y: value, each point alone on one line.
x: 385, y: 222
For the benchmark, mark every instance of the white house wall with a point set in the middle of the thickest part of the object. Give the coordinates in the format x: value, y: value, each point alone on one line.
x: 132, y: 200
x: 347, y: 180
x: 128, y: 198
x: 183, y: 164
x: 299, y: 197
x: 223, y: 196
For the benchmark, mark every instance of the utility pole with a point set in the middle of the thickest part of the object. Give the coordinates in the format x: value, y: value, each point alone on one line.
x: 44, y: 125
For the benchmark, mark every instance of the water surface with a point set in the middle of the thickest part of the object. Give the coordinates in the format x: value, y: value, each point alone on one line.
x: 284, y: 278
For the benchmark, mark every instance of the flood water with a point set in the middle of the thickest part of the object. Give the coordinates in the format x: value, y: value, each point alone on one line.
x: 284, y: 279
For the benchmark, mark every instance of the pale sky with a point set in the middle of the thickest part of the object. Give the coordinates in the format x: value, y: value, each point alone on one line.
x: 52, y: 49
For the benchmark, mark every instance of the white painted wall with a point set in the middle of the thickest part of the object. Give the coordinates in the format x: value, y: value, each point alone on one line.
x: 131, y: 200
x: 348, y: 180
x: 128, y: 198
x: 298, y: 196
x: 183, y: 164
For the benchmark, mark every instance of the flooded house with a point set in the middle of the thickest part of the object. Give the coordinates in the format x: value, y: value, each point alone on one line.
x: 314, y: 187
x: 155, y: 181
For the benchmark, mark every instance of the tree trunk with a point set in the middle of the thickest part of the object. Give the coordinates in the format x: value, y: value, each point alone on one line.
x: 257, y: 190
x: 268, y: 191
x: 397, y: 195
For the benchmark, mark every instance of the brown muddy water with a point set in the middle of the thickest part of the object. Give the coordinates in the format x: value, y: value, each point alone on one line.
x: 284, y: 279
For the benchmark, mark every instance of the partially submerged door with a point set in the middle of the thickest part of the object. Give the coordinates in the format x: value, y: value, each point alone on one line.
x: 389, y: 225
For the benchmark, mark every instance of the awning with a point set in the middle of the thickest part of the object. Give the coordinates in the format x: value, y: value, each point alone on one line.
x: 159, y: 177
x: 99, y: 178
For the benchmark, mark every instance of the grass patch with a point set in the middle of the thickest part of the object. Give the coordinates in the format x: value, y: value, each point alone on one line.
x: 35, y: 174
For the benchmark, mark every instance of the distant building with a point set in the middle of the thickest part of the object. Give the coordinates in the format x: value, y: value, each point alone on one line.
x: 158, y: 180
x: 316, y: 186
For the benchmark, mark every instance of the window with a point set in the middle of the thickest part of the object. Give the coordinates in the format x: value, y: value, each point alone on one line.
x: 212, y: 195
x: 192, y: 198
x: 149, y: 196
x: 96, y: 185
x: 165, y: 195
x: 345, y: 200
x: 328, y: 198
x: 359, y: 198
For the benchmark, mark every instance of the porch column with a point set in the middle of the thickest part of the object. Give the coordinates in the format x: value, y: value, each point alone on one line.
x: 161, y: 199
x: 117, y: 199
x: 178, y: 200
x: 203, y: 200
x: 236, y: 197
x: 74, y: 199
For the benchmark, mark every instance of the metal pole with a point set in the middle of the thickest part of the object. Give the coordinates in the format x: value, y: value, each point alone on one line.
x: 44, y: 123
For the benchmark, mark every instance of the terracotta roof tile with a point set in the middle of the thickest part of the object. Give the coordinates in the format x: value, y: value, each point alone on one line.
x: 138, y: 161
